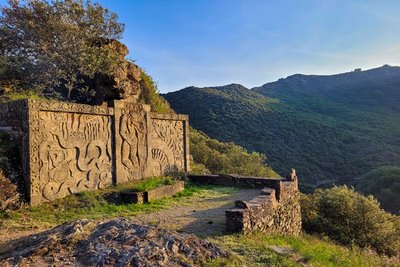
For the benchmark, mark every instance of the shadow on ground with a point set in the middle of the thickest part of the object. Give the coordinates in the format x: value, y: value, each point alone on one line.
x: 205, y: 218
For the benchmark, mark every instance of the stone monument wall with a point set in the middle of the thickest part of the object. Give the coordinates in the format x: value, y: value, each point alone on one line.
x: 68, y: 148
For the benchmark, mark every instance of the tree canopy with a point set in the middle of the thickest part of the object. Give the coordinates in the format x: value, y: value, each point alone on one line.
x: 54, y: 48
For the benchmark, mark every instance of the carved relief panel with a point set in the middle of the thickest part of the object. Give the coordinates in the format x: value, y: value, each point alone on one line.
x: 67, y: 147
x: 132, y: 140
x: 168, y: 146
x: 70, y: 152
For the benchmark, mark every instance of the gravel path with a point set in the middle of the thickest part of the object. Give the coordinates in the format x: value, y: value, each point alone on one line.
x: 202, y: 216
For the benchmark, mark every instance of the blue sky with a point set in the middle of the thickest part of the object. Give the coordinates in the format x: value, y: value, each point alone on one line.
x: 215, y: 42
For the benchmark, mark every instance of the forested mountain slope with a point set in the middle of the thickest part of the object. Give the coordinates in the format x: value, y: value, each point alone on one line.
x: 329, y: 128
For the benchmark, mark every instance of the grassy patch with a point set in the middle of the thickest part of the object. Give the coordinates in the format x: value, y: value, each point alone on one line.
x: 149, y: 184
x: 101, y: 204
x: 255, y: 250
x: 28, y: 94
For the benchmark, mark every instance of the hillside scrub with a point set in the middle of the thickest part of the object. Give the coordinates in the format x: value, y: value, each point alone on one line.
x: 256, y: 249
x: 209, y: 155
x: 228, y: 158
x: 384, y: 184
x: 351, y: 219
x: 329, y: 128
x: 150, y: 95
x: 11, y: 186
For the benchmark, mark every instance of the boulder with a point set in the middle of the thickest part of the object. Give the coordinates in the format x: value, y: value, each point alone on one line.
x: 118, y: 242
x: 125, y: 82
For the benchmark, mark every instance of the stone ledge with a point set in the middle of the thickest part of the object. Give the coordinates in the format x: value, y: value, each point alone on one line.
x: 132, y: 197
x: 164, y: 191
x: 152, y: 195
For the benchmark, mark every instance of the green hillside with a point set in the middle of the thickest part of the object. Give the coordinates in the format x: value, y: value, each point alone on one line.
x: 330, y: 128
x: 384, y: 184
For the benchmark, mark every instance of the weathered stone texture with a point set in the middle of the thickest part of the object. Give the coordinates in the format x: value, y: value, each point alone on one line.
x: 170, y: 144
x: 266, y: 214
x: 125, y: 81
x: 118, y: 242
x: 164, y: 191
x: 275, y: 211
x: 70, y: 147
x: 131, y: 140
x: 13, y: 115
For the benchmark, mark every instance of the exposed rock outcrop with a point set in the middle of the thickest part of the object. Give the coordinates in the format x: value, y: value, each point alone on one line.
x: 125, y: 83
x: 117, y: 242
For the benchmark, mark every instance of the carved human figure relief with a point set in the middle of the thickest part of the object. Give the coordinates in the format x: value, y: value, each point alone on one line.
x: 133, y: 145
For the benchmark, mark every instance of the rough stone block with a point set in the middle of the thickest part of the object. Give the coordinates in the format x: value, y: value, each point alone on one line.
x: 164, y: 191
x: 132, y: 197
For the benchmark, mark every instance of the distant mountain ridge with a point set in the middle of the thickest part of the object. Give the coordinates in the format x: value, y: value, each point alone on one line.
x: 328, y: 127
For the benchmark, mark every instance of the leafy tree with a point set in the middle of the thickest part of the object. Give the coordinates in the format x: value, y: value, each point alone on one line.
x: 51, y: 48
x: 351, y: 218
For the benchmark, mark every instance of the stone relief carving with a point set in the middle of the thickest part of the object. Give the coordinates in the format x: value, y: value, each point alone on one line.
x: 67, y: 147
x: 74, y: 153
x: 167, y: 150
x: 133, y: 143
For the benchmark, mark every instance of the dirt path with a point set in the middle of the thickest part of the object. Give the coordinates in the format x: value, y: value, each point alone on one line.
x: 202, y: 216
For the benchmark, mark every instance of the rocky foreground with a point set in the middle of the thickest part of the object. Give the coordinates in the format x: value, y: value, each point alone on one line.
x: 118, y: 242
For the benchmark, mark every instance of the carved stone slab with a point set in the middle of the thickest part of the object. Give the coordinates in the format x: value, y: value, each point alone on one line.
x: 131, y: 140
x: 67, y: 147
x: 70, y: 149
x: 148, y: 144
x: 168, y: 147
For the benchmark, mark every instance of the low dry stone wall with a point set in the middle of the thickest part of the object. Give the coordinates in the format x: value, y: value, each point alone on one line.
x: 275, y: 211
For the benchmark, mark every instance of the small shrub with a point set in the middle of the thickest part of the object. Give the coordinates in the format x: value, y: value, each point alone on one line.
x: 150, y: 95
x: 351, y: 219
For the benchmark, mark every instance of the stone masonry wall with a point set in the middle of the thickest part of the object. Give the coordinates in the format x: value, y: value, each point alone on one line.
x: 70, y: 147
x: 275, y: 211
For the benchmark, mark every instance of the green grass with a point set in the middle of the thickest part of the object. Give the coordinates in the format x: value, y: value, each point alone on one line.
x: 100, y: 205
x: 251, y: 250
x: 24, y: 95
x: 149, y: 184
x: 254, y: 250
